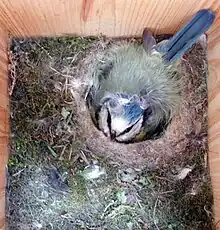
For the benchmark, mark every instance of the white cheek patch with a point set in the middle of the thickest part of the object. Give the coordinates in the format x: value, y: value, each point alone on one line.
x: 119, y: 124
x: 132, y: 133
x: 103, y: 116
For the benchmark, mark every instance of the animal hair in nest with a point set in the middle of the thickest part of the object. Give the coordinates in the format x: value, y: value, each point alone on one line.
x: 38, y: 199
x: 187, y: 133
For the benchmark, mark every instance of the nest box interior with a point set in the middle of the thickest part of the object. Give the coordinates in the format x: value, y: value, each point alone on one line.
x: 113, y: 18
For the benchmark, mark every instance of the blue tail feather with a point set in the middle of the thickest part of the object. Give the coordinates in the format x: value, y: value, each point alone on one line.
x: 183, y: 40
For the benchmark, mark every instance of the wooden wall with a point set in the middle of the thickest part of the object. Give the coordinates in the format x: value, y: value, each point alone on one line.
x: 111, y: 18
x: 91, y: 17
x: 4, y: 120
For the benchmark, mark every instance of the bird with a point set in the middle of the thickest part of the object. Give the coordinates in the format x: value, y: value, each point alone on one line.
x: 134, y: 92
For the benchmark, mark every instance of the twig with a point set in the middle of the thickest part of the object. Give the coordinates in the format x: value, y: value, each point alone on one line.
x: 17, y: 173
x: 154, y: 213
x: 75, y: 56
x: 58, y: 72
x: 47, y: 53
x: 166, y: 192
x: 106, y: 208
x: 83, y: 157
x: 12, y: 70
x: 70, y: 154
x: 13, y: 77
x: 63, y: 150
x: 164, y: 178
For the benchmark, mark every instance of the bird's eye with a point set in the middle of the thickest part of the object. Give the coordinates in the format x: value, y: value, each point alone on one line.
x: 112, y: 104
x: 143, y: 92
x: 127, y: 130
x: 148, y: 112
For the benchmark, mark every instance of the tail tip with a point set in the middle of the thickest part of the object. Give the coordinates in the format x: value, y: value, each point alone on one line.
x: 207, y: 13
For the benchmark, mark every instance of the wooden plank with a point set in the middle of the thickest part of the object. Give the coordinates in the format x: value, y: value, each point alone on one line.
x: 111, y: 18
x: 4, y: 120
x: 214, y: 112
x: 92, y: 17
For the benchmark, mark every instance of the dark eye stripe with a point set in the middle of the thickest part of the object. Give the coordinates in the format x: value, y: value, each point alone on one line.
x: 97, y: 117
x: 109, y: 121
x: 126, y: 130
x: 146, y: 114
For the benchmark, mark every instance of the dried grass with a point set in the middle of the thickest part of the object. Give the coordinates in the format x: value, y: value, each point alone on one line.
x: 146, y: 185
x: 184, y: 134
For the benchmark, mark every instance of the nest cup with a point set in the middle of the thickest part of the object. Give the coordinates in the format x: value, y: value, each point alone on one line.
x: 114, y: 19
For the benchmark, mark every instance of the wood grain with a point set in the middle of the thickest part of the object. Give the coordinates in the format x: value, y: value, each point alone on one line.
x: 4, y: 120
x: 92, y: 17
x: 110, y: 18
x: 214, y: 112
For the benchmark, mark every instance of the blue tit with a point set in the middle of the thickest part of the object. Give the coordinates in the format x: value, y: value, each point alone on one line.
x: 135, y: 90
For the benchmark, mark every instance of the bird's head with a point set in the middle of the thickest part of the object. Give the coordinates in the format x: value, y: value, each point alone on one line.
x: 121, y: 116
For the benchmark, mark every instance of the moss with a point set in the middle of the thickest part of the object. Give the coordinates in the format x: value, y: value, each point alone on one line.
x: 14, y: 162
x: 47, y: 136
x: 78, y: 189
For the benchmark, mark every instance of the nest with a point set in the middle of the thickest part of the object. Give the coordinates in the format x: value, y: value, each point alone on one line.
x: 186, y: 135
x: 162, y: 184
